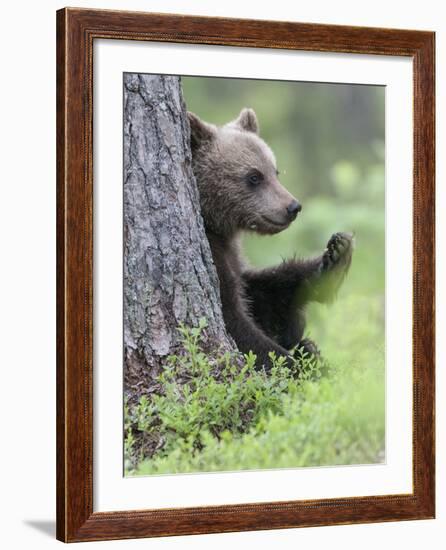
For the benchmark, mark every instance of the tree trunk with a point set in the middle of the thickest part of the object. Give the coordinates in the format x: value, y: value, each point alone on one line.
x: 169, y: 276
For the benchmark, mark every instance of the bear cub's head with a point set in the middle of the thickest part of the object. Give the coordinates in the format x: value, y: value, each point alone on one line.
x: 237, y: 178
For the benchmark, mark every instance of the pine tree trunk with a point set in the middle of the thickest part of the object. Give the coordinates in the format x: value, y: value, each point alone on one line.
x: 169, y: 276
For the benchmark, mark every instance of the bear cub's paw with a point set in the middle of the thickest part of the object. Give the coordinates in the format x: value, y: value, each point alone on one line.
x: 308, y: 348
x: 338, y: 254
x: 308, y: 360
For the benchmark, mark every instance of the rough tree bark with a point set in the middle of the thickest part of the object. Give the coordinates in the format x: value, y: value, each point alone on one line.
x: 169, y: 276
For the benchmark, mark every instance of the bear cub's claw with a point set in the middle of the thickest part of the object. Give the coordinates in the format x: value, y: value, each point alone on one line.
x: 338, y: 253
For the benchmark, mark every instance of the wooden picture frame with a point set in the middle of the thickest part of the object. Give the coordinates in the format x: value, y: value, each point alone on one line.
x: 76, y: 31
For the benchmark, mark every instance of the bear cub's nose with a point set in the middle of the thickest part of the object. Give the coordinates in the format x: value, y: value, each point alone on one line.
x: 293, y: 209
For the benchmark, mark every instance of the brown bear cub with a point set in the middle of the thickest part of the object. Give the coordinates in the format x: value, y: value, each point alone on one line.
x: 237, y: 177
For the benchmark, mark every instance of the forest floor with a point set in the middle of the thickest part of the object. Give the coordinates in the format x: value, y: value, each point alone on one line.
x: 214, y: 416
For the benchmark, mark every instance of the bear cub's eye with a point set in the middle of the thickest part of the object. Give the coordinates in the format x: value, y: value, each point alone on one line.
x: 255, y: 177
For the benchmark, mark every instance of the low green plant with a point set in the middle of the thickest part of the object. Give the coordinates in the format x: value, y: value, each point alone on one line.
x: 329, y: 422
x: 203, y: 395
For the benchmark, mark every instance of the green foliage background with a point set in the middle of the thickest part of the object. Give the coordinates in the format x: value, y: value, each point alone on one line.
x: 329, y: 143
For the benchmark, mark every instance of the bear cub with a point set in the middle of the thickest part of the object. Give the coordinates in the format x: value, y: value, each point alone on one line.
x: 237, y: 178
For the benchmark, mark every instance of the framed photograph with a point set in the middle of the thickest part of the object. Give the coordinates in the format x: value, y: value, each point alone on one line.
x: 245, y: 276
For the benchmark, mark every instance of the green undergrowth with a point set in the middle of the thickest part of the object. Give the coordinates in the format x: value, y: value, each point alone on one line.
x: 217, y: 414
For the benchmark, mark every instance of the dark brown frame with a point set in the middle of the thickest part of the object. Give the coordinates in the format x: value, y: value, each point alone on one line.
x: 76, y: 31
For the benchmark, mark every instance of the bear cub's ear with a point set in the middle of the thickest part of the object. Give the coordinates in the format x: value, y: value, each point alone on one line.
x: 200, y: 131
x: 247, y: 120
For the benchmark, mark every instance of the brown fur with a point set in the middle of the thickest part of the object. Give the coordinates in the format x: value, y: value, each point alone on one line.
x: 239, y: 190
